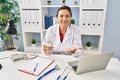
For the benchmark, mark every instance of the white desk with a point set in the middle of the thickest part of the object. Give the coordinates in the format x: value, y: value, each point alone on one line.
x: 10, y: 70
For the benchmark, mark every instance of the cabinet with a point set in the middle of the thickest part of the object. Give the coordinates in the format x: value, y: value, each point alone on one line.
x: 89, y: 15
x: 92, y: 20
x: 31, y: 24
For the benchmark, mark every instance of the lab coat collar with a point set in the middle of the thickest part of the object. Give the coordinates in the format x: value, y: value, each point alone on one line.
x: 67, y: 35
x: 58, y: 35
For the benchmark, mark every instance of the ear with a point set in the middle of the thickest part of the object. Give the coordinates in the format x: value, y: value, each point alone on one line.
x: 57, y: 20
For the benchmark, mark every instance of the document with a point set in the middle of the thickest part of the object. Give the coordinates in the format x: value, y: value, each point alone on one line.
x: 4, y: 55
x: 37, y: 66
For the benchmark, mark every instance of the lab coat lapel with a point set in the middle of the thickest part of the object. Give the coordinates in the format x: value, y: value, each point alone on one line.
x: 67, y: 36
x: 57, y: 37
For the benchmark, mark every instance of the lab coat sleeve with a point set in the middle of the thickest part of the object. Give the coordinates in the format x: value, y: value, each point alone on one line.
x: 48, y: 35
x: 77, y: 38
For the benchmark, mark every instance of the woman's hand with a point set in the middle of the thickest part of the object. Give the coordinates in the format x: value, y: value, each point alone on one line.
x: 72, y: 50
x: 47, y: 49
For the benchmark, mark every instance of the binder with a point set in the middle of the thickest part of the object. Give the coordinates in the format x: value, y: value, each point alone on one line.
x: 24, y: 17
x: 37, y: 17
x: 90, y: 1
x: 83, y: 19
x: 27, y: 17
x: 100, y: 19
x: 94, y: 19
x: 33, y: 17
x: 84, y: 1
x: 89, y: 19
x: 42, y: 64
x: 27, y: 2
x: 48, y: 21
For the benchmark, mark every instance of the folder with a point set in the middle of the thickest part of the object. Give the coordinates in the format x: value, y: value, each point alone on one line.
x: 83, y: 19
x: 32, y: 2
x: 27, y: 17
x: 84, y: 1
x: 33, y: 17
x: 94, y: 19
x: 37, y: 17
x: 89, y: 19
x: 48, y: 21
x: 42, y: 64
x: 24, y: 17
x: 100, y: 19
x: 90, y: 1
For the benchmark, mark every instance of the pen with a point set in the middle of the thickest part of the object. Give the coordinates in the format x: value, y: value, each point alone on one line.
x: 36, y: 67
x: 62, y: 73
x: 55, y: 68
x: 67, y: 71
x: 66, y: 75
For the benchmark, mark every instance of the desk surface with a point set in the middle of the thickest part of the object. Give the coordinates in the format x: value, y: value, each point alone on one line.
x: 10, y: 70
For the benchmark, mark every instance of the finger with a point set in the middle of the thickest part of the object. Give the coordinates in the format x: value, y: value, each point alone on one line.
x: 68, y: 51
x: 44, y: 46
x: 45, y: 50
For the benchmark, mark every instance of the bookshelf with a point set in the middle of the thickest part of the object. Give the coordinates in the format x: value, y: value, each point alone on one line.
x: 92, y: 20
x: 31, y: 24
x: 89, y: 15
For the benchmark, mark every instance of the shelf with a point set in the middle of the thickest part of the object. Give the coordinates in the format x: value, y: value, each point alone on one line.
x: 33, y: 49
x: 32, y: 29
x: 92, y: 50
x: 30, y: 6
x: 97, y: 6
x: 91, y: 31
x: 76, y: 6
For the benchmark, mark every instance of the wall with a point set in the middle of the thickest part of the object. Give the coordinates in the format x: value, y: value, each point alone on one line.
x: 19, y: 42
x: 112, y: 28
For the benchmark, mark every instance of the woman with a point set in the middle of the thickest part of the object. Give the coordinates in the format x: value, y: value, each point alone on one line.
x: 64, y: 36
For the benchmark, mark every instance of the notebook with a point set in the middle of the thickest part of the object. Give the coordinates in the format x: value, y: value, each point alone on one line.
x: 91, y: 63
x: 37, y: 66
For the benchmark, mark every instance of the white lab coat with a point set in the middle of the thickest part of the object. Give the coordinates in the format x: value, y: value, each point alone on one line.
x: 71, y: 39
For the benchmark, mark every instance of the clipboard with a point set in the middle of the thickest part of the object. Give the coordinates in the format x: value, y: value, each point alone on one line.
x: 42, y: 64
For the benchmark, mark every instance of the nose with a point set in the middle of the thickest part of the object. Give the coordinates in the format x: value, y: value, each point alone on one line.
x: 64, y: 18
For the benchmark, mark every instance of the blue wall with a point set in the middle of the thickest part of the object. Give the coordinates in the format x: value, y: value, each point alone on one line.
x: 112, y: 28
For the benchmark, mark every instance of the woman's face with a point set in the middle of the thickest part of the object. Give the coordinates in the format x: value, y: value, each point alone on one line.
x: 64, y: 18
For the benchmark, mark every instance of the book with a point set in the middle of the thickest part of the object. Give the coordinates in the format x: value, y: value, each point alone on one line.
x: 37, y: 66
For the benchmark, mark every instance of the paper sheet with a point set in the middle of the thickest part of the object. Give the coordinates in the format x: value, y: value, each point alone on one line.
x: 43, y: 63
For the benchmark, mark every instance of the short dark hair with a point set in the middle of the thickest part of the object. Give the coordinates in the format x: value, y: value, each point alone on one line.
x: 64, y: 7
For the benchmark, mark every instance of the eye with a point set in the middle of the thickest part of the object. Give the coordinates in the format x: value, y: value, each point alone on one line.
x: 67, y: 16
x: 61, y: 16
